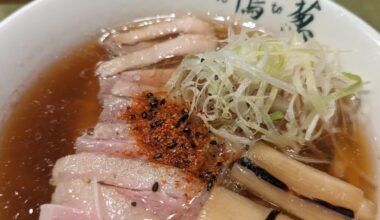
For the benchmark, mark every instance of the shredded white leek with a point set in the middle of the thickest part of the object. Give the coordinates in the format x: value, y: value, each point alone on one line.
x: 259, y: 87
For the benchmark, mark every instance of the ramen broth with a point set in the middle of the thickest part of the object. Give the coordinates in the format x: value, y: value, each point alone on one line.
x: 43, y: 126
x: 58, y: 108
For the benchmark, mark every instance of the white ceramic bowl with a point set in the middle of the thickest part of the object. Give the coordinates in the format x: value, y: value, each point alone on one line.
x: 39, y: 33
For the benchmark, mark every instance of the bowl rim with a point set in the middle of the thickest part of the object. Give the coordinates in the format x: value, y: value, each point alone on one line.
x: 371, y: 33
x: 361, y: 22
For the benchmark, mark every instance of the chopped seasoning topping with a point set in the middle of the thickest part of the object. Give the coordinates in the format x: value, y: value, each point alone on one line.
x: 157, y: 123
x: 144, y: 115
x: 150, y: 117
x: 192, y: 144
x: 149, y: 95
x: 174, y: 137
x: 172, y: 145
x: 213, y: 142
x: 154, y: 103
x: 187, y: 131
x: 157, y: 156
x: 155, y: 187
x: 197, y: 134
x: 134, y: 204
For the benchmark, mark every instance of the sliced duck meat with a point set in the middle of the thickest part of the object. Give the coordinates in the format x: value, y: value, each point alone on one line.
x: 112, y: 131
x: 148, y: 77
x: 111, y: 139
x: 106, y: 85
x: 112, y: 108
x: 127, y: 173
x: 162, y: 205
x: 179, y: 46
x: 124, y: 88
x: 119, y: 50
x: 110, y: 177
x: 186, y: 24
x: 165, y: 206
x: 122, y: 148
x: 99, y: 201
x: 60, y: 212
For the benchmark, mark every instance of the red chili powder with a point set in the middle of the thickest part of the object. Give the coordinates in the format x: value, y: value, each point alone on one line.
x: 167, y: 134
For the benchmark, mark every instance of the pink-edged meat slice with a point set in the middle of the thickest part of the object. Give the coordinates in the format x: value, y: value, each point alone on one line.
x: 124, y: 88
x: 156, y: 77
x: 126, y: 173
x: 113, y: 107
x: 99, y: 201
x: 185, y: 24
x: 180, y: 46
x: 60, y: 212
x: 111, y: 139
x: 149, y: 77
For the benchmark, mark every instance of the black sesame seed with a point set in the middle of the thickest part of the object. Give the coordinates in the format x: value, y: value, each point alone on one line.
x: 183, y: 118
x: 177, y: 163
x: 202, y: 59
x: 185, y: 111
x: 177, y: 124
x: 134, y: 204
x: 144, y: 115
x: 209, y: 185
x: 149, y: 95
x: 155, y: 187
x: 216, y: 77
x: 154, y: 103
x: 192, y: 143
x: 185, y: 115
x: 183, y: 145
x: 208, y: 175
x: 213, y: 142
x: 157, y: 156
x: 197, y: 134
x: 187, y: 131
x: 162, y: 102
x: 157, y: 123
x: 172, y: 145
